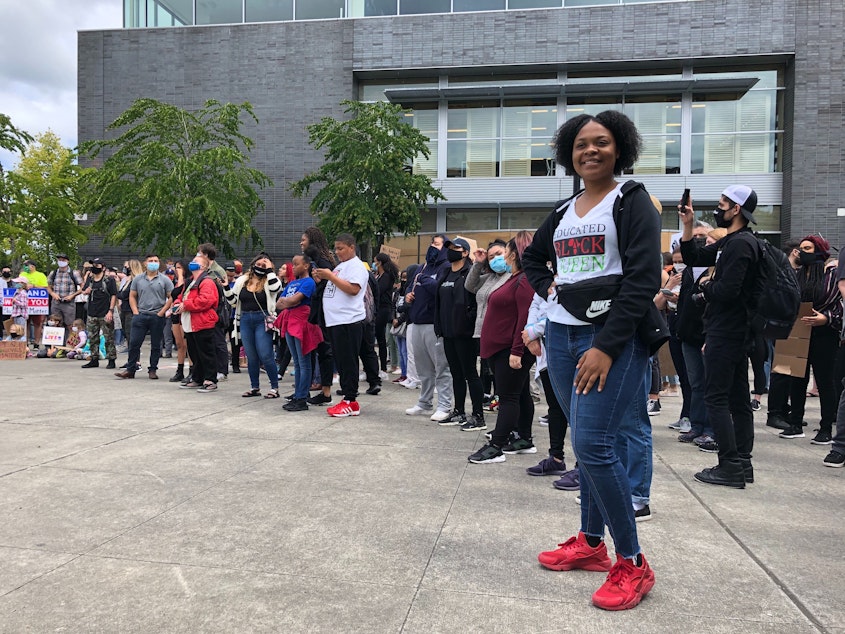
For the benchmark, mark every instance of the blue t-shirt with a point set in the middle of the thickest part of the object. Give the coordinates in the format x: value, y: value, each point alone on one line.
x: 304, y: 285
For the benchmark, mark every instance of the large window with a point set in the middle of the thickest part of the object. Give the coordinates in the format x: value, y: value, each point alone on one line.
x: 502, y: 217
x: 424, y: 118
x: 500, y: 138
x: 268, y: 10
x: 410, y: 7
x: 219, y: 11
x: 317, y: 9
x: 737, y: 133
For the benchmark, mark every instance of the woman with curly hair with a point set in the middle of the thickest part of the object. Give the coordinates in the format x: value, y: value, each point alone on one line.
x: 604, y: 248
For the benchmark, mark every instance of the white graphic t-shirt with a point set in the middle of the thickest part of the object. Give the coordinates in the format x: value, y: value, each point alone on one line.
x: 585, y: 248
x: 343, y: 308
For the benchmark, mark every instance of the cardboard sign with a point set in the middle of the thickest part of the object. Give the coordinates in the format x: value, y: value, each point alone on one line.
x: 791, y: 353
x: 393, y: 252
x: 12, y: 350
x: 52, y: 336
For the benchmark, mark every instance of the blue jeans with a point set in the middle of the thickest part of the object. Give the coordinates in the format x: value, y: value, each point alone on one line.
x: 694, y: 361
x: 634, y: 445
x: 302, y: 365
x: 595, y: 419
x: 402, y: 345
x: 258, y: 344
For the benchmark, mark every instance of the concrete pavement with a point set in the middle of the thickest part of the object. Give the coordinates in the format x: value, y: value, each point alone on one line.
x: 134, y: 506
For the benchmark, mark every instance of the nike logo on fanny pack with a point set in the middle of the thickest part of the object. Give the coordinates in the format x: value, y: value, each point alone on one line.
x: 598, y: 307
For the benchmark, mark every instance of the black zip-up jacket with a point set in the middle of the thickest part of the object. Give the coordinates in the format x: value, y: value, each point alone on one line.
x: 457, y: 318
x: 633, y: 311
x: 689, y: 323
x: 730, y: 295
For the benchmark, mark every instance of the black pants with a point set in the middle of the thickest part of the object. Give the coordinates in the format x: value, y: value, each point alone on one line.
x: 656, y: 383
x: 788, y: 394
x: 201, y: 348
x: 758, y: 357
x: 126, y: 322
x: 557, y: 419
x: 382, y: 317
x: 144, y: 323
x: 726, y: 398
x: 369, y: 360
x: 221, y: 348
x: 346, y: 344
x: 676, y: 350
x: 516, y: 407
x: 487, y: 377
x: 325, y: 358
x: 462, y: 355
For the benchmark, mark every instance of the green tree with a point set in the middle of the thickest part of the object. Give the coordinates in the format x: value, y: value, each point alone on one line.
x: 42, y: 197
x: 12, y: 140
x: 369, y: 190
x: 175, y: 178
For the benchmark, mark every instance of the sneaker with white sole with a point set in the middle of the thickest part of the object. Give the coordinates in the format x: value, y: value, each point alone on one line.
x: 653, y: 407
x: 544, y: 420
x: 474, y: 423
x: 416, y: 410
x: 344, y: 408
x: 683, y: 425
x: 440, y: 415
x: 486, y: 455
x: 455, y: 418
x: 519, y: 446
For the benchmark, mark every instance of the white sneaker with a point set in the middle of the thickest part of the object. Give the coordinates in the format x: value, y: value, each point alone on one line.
x: 397, y: 371
x: 544, y: 420
x: 362, y: 376
x: 410, y: 384
x: 416, y: 410
x: 222, y: 377
x: 440, y: 415
x: 383, y: 375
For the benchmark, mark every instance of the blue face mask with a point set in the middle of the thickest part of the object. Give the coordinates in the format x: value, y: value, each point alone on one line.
x: 431, y: 254
x: 194, y: 266
x: 498, y: 265
x: 152, y: 267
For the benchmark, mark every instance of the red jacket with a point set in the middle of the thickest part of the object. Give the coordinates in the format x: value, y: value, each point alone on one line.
x: 201, y: 302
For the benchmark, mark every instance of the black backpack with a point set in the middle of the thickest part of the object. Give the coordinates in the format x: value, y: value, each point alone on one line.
x: 777, y: 293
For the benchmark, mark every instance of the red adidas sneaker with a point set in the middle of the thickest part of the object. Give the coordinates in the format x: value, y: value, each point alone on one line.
x: 576, y: 553
x: 625, y: 586
x: 344, y: 409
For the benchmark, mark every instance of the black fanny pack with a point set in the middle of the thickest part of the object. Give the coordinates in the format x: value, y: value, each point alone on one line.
x: 590, y: 300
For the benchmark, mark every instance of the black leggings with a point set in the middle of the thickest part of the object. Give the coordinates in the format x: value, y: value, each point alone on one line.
x: 516, y: 407
x: 557, y: 419
x: 462, y: 355
x: 382, y: 318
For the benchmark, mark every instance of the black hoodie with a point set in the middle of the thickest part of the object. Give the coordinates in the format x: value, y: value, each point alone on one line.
x: 633, y: 311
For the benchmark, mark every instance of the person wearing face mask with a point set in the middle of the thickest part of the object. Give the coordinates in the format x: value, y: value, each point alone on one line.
x: 5, y: 277
x: 730, y: 299
x: 221, y: 329
x: 788, y: 394
x: 197, y: 306
x: 102, y: 298
x: 454, y: 321
x: 429, y: 356
x: 253, y: 296
x: 149, y: 298
x: 61, y: 284
x: 488, y: 273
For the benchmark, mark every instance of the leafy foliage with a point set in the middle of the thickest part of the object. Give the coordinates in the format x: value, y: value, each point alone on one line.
x: 175, y: 179
x: 41, y: 202
x: 368, y: 189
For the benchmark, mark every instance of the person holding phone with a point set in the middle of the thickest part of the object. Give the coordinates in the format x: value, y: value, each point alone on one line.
x: 729, y: 298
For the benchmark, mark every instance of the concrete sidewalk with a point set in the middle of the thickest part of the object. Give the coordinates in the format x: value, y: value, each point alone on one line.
x: 134, y: 506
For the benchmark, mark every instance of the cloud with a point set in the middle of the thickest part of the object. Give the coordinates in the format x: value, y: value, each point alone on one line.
x: 38, y: 51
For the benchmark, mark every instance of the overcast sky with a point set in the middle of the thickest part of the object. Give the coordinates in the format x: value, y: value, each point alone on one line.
x: 38, y: 61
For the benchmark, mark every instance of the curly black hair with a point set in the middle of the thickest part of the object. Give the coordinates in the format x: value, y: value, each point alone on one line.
x: 625, y: 134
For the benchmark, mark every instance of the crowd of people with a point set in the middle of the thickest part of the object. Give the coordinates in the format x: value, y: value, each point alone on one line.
x: 580, y: 307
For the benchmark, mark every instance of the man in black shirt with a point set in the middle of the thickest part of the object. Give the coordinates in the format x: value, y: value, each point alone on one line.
x: 728, y: 298
x: 102, y: 298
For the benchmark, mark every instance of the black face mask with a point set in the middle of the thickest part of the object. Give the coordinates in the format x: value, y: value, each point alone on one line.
x: 700, y: 242
x: 719, y: 214
x: 260, y: 271
x: 454, y: 256
x: 7, y: 274
x: 96, y: 270
x: 807, y: 259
